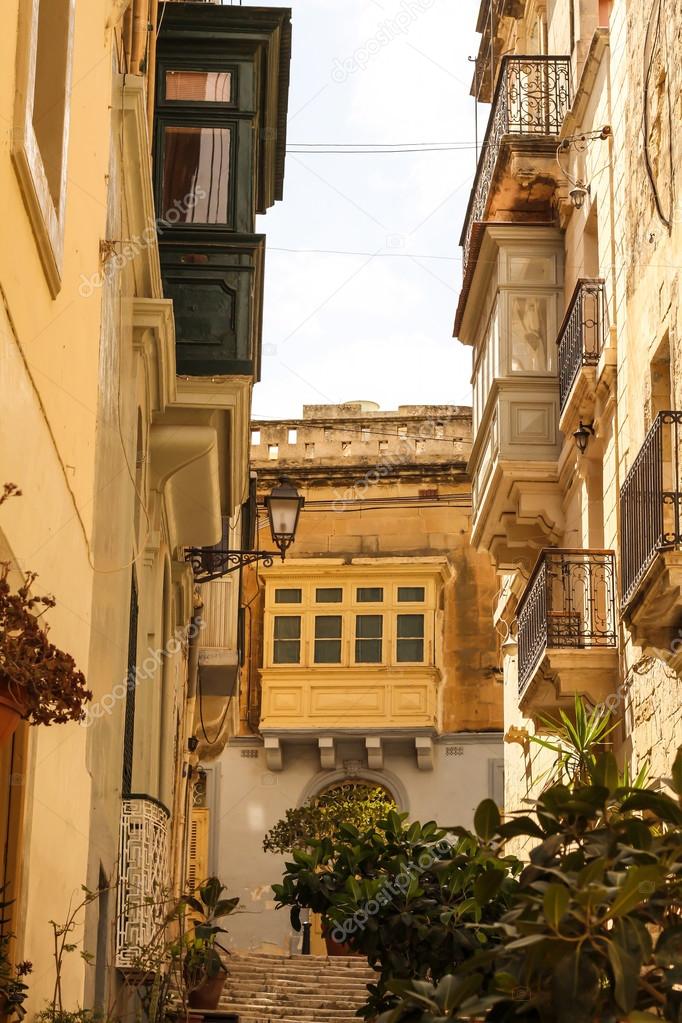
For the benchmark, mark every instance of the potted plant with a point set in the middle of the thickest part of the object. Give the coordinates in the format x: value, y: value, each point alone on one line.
x: 38, y: 682
x: 203, y: 968
x: 362, y: 806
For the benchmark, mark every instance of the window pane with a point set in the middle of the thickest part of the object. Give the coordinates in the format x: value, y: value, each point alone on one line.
x: 327, y: 639
x: 327, y: 651
x: 196, y: 175
x: 50, y: 103
x: 368, y: 633
x: 288, y: 627
x: 333, y: 595
x: 370, y: 594
x: 529, y: 334
x: 369, y: 626
x: 411, y: 594
x: 328, y: 627
x: 410, y: 626
x: 199, y: 86
x: 410, y: 650
x: 410, y: 645
x: 287, y: 639
x: 287, y: 596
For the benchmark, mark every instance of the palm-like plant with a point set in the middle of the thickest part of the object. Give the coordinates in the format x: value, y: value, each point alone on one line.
x: 576, y: 743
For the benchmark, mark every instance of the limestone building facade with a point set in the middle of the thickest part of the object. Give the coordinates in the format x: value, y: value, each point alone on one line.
x: 369, y: 653
x: 129, y: 443
x: 570, y: 303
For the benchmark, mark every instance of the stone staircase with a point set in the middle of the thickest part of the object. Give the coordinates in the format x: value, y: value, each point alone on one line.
x: 264, y: 988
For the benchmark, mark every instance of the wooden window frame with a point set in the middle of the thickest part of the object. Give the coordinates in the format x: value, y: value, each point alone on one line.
x: 47, y: 219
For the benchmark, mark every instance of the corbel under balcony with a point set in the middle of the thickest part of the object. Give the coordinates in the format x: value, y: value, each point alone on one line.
x: 376, y: 742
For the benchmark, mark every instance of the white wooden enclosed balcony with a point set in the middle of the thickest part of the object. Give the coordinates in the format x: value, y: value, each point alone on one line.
x: 511, y: 320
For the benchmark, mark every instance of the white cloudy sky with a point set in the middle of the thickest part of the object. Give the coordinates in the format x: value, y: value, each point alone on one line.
x: 377, y: 327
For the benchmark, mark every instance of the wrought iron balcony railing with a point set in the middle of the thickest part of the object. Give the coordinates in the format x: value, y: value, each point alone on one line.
x: 531, y: 97
x: 569, y: 603
x: 143, y: 878
x: 581, y: 336
x: 651, y: 501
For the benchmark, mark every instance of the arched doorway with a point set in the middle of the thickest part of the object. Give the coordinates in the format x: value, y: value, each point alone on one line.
x: 348, y: 790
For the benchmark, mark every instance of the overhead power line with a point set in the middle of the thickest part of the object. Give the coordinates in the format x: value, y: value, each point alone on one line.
x: 378, y: 152
x: 351, y: 252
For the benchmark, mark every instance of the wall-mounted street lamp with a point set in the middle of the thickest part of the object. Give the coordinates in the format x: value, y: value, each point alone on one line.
x: 578, y: 194
x: 283, y: 506
x: 582, y: 436
x: 577, y: 144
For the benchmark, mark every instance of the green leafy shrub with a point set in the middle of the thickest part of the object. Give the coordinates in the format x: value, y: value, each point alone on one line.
x: 594, y: 930
x: 361, y: 806
x: 412, y: 898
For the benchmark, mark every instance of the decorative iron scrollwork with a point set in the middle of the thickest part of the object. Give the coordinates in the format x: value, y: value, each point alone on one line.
x: 581, y: 337
x: 569, y: 603
x: 651, y: 501
x: 210, y: 563
x: 532, y: 97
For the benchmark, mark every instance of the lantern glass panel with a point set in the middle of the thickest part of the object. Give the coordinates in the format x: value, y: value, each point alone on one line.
x: 284, y: 513
x: 199, y: 86
x: 196, y: 174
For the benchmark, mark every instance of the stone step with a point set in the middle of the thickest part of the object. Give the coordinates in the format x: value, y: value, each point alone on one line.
x: 264, y: 978
x: 313, y: 978
x: 257, y: 979
x: 321, y: 997
x: 275, y: 988
x: 295, y: 967
x: 295, y: 1012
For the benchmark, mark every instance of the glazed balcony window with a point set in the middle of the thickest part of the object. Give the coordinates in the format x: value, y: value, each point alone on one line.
x: 196, y: 174
x: 350, y: 625
x: 328, y: 630
x: 410, y: 639
x: 287, y: 646
x: 198, y: 86
x: 368, y: 639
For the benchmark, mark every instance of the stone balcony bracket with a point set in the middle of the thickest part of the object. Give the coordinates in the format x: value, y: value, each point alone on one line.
x: 424, y: 749
x: 375, y: 752
x: 273, y: 753
x: 327, y: 752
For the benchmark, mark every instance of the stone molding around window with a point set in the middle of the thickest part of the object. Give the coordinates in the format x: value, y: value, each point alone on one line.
x: 47, y: 215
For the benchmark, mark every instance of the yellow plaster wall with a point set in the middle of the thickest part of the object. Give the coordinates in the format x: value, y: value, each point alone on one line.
x: 49, y: 389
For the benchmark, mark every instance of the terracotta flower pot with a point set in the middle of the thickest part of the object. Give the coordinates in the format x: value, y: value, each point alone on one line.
x: 207, y: 995
x: 11, y: 713
x: 337, y: 948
